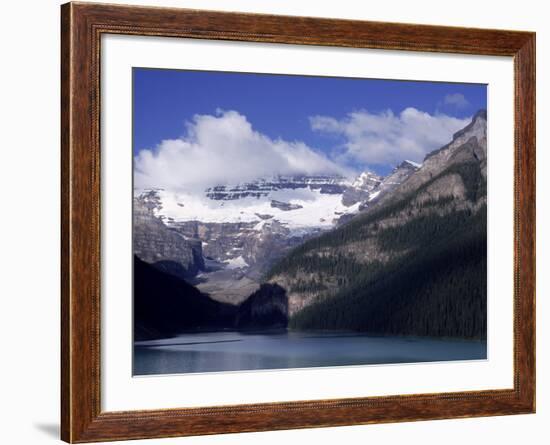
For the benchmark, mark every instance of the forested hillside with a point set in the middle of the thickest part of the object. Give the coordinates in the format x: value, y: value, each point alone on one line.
x: 415, y: 263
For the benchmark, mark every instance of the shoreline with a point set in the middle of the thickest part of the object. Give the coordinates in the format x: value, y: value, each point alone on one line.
x: 325, y: 334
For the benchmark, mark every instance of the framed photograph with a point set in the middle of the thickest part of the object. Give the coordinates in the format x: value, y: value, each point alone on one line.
x: 274, y: 222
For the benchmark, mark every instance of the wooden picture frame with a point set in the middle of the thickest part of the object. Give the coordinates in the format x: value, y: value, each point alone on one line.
x: 82, y: 25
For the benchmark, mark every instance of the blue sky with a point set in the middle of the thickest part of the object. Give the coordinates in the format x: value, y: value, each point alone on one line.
x: 356, y: 124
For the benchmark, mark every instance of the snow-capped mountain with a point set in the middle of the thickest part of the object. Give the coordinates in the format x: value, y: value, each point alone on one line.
x: 362, y: 188
x: 366, y: 181
x: 397, y: 177
x: 300, y: 203
x: 264, y: 186
x: 241, y: 229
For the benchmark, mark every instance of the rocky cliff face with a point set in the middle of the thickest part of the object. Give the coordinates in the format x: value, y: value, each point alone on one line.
x: 263, y: 187
x: 361, y: 189
x: 157, y: 244
x: 469, y: 145
x: 398, y: 176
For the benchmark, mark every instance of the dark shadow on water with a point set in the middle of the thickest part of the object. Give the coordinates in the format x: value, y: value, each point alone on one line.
x: 266, y: 331
x: 185, y: 344
x: 337, y: 336
x: 49, y: 429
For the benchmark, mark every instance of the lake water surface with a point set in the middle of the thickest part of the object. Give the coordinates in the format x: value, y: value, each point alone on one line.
x: 238, y: 351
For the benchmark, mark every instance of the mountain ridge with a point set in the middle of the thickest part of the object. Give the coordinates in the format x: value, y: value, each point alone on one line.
x: 435, y: 217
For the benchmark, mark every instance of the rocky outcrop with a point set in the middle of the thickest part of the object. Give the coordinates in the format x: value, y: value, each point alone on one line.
x: 263, y: 187
x: 361, y: 188
x: 395, y: 179
x: 468, y: 145
x: 285, y: 206
x: 157, y: 244
x: 265, y: 308
x: 257, y: 243
x: 368, y: 189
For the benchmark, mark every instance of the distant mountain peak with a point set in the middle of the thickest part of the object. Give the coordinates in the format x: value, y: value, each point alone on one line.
x: 479, y: 119
x: 476, y: 128
x: 480, y: 114
x: 366, y: 180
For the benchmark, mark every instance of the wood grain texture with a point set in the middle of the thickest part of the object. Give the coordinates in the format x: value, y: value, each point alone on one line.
x: 81, y: 28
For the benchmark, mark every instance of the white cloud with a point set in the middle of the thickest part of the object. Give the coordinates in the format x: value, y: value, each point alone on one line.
x: 456, y: 100
x: 224, y: 149
x: 387, y: 138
